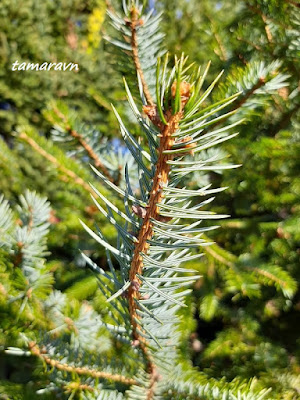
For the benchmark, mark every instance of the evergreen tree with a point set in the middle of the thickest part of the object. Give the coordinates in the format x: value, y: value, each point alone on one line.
x: 182, y: 113
x: 260, y: 243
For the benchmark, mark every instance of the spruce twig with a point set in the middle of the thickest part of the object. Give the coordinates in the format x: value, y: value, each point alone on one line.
x: 134, y: 23
x: 18, y: 257
x: 267, y: 29
x: 210, y: 250
x: 146, y: 231
x: 161, y: 178
x: 239, y: 102
x: 36, y: 351
x: 80, y: 139
x: 67, y: 172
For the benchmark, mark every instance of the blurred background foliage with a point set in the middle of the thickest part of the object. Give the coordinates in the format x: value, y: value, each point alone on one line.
x: 243, y: 317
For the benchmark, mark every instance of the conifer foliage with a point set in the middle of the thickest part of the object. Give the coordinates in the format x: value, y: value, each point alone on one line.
x: 249, y: 293
x: 160, y: 217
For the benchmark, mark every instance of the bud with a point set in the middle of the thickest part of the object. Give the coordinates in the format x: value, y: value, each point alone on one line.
x: 135, y: 285
x: 185, y: 91
x: 139, y: 211
x: 152, y: 114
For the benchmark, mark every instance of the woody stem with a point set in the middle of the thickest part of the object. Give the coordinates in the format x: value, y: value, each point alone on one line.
x: 135, y: 55
x: 146, y: 232
x: 80, y: 139
x: 36, y: 351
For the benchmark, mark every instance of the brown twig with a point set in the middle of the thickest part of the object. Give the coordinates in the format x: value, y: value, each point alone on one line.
x: 150, y: 213
x: 257, y: 10
x: 267, y: 29
x: 55, y: 162
x: 268, y: 275
x: 209, y: 250
x: 134, y: 23
x: 256, y: 47
x: 239, y: 102
x: 36, y: 351
x: 97, y: 162
x: 146, y: 233
x: 76, y: 386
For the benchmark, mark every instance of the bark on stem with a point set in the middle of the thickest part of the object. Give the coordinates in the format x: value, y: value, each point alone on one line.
x: 135, y: 55
x: 145, y: 234
x: 67, y: 172
x: 97, y: 162
x: 36, y: 351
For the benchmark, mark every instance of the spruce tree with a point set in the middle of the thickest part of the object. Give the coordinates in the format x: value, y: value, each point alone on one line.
x: 259, y: 244
x: 160, y: 226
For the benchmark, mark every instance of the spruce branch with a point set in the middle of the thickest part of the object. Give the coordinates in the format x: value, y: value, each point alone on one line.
x: 146, y: 232
x: 241, y: 101
x: 267, y: 28
x: 160, y: 219
x: 151, y: 253
x: 18, y: 256
x: 254, y: 45
x: 36, y: 351
x: 254, y: 80
x: 67, y: 172
x: 133, y: 23
x: 138, y: 43
x: 168, y: 124
x: 265, y: 19
x: 80, y: 139
x: 217, y: 255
